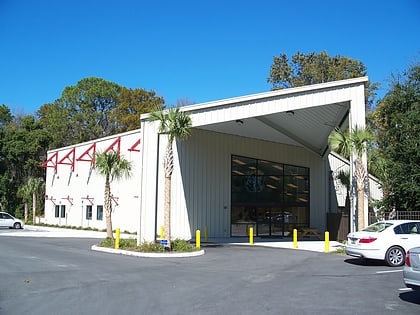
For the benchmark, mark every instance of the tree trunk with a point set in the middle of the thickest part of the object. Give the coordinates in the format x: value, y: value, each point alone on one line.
x: 360, y: 174
x: 108, y: 209
x: 26, y: 212
x: 168, y: 165
x: 34, y: 208
x: 167, y: 210
x: 360, y: 209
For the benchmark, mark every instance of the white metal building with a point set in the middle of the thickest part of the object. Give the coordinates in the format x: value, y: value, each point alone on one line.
x: 259, y: 160
x: 75, y: 193
x: 220, y: 180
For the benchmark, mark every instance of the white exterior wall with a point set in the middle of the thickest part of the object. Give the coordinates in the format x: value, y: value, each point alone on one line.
x: 73, y: 188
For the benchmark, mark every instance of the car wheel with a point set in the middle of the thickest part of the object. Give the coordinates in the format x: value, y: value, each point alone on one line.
x: 17, y: 226
x: 395, y: 256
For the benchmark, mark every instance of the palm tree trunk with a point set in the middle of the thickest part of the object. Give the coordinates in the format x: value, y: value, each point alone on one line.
x: 34, y: 207
x: 360, y: 175
x: 168, y: 166
x: 108, y: 209
x: 26, y: 212
x: 360, y: 209
x: 167, y: 211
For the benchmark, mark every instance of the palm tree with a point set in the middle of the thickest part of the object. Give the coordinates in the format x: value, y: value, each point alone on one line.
x: 177, y: 125
x: 356, y: 143
x: 32, y: 187
x: 112, y: 166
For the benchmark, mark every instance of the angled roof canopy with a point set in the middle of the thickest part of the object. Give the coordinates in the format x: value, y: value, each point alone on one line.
x: 302, y: 116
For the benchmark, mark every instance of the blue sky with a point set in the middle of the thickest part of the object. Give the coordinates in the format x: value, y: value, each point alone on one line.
x: 196, y: 50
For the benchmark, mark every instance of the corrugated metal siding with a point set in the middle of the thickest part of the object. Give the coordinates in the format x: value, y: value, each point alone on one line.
x: 201, y: 185
x: 338, y: 164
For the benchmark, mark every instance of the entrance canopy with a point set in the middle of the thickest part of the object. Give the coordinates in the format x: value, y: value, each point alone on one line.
x: 303, y: 116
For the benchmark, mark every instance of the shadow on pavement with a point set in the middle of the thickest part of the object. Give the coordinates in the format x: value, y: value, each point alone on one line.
x: 365, y: 262
x: 411, y: 296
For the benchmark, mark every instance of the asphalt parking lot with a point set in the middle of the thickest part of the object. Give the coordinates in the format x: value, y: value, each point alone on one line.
x: 63, y: 276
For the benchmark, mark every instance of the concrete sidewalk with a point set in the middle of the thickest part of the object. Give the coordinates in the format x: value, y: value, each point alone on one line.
x: 307, y: 244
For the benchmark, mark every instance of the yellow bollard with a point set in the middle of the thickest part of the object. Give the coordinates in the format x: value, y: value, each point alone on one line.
x: 162, y: 232
x: 327, y: 241
x: 295, y: 245
x: 206, y: 234
x: 197, y: 238
x: 251, y: 235
x: 117, y: 238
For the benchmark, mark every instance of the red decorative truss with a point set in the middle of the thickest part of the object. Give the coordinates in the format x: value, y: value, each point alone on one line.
x: 135, y: 146
x: 52, y: 161
x: 68, y: 159
x: 115, y: 146
x: 90, y: 199
x: 114, y: 199
x: 69, y: 199
x: 88, y: 155
x: 51, y: 199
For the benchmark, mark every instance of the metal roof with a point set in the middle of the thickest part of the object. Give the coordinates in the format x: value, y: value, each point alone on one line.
x: 303, y: 116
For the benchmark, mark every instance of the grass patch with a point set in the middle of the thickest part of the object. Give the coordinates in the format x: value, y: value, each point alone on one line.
x: 178, y: 246
x: 72, y: 227
x: 341, y: 250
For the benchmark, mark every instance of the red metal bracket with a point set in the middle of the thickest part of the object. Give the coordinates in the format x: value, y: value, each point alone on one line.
x: 51, y: 162
x: 51, y: 199
x: 135, y: 147
x: 114, y: 199
x: 90, y: 153
x: 70, y: 200
x: 116, y: 143
x: 89, y: 198
x: 70, y: 157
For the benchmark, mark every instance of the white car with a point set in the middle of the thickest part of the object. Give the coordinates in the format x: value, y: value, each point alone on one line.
x: 412, y: 269
x: 9, y: 221
x: 386, y: 240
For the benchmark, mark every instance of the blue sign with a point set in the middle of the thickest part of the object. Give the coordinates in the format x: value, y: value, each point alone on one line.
x: 164, y: 242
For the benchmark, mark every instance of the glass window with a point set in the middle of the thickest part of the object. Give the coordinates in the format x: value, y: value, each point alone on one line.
x: 406, y: 228
x: 377, y: 227
x: 270, y: 188
x: 57, y: 211
x: 99, y: 213
x: 89, y: 212
x: 63, y: 211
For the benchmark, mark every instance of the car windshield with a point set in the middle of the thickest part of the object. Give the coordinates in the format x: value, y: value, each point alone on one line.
x: 377, y: 227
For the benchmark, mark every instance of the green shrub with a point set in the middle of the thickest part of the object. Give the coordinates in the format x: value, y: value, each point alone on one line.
x: 151, y: 247
x: 128, y: 243
x: 179, y: 245
x: 108, y: 242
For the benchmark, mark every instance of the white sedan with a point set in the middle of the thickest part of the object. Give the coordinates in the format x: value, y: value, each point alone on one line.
x: 386, y: 240
x: 412, y: 269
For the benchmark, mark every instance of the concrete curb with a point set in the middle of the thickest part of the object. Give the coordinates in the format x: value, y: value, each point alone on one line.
x: 147, y: 255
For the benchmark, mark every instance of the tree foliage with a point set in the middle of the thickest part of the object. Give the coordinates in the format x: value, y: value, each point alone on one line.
x: 355, y: 142
x: 131, y: 104
x: 95, y: 108
x: 397, y: 121
x: 312, y: 68
x: 23, y: 145
x: 82, y: 112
